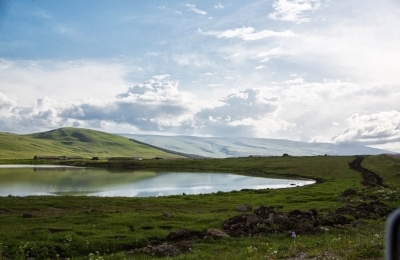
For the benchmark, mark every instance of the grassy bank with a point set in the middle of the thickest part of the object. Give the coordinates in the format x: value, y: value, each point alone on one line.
x: 119, y: 228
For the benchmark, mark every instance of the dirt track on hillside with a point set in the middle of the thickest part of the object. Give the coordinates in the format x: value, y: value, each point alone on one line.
x: 369, y: 178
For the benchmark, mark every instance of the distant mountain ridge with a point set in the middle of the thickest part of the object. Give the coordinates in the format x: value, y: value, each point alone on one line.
x: 167, y: 150
x: 88, y: 143
x: 222, y: 147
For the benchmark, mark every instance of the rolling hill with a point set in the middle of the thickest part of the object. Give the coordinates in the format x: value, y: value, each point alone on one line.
x: 74, y: 142
x: 222, y: 147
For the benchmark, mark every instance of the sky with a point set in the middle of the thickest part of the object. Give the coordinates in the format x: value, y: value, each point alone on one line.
x: 304, y: 70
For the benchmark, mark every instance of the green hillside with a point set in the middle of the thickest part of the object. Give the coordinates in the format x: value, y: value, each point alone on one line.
x: 74, y: 142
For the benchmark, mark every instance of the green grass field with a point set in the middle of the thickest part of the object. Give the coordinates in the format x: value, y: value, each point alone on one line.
x: 119, y: 228
x: 74, y: 142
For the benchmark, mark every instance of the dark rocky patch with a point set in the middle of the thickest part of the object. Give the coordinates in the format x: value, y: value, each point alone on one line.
x: 184, y: 246
x: 27, y: 215
x: 179, y: 234
x: 267, y: 220
x: 348, y: 193
x: 373, y: 210
x: 156, y: 248
x: 161, y: 250
x: 184, y: 234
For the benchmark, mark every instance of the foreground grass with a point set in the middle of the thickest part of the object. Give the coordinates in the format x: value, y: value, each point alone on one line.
x: 108, y: 228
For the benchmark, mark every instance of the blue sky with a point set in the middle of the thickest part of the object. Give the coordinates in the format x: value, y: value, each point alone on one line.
x: 308, y: 70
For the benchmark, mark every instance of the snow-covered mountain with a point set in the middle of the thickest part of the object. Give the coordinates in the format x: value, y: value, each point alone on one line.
x: 222, y: 147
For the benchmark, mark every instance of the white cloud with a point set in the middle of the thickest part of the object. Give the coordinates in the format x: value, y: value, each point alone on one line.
x: 219, y: 6
x: 267, y: 55
x: 161, y: 77
x: 192, y: 59
x: 249, y: 34
x: 250, y: 103
x: 294, y: 109
x: 61, y: 81
x: 293, y: 10
x: 391, y: 146
x: 263, y: 127
x: 155, y: 105
x: 192, y: 7
x: 6, y: 103
x: 159, y: 106
x: 377, y: 128
x: 233, y: 56
x: 43, y: 114
x: 154, y: 54
x: 357, y: 43
x: 259, y: 67
x: 294, y: 81
x: 321, y: 139
x: 215, y: 85
x: 313, y: 106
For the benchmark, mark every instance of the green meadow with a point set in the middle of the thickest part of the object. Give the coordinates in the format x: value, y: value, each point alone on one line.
x: 79, y: 227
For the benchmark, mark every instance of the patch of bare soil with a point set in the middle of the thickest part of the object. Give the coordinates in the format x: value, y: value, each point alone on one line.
x: 370, y: 179
x: 265, y: 220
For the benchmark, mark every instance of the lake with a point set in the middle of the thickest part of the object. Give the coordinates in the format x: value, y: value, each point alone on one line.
x: 27, y: 180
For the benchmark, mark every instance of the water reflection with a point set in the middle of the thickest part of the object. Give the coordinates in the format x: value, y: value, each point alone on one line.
x: 59, y: 180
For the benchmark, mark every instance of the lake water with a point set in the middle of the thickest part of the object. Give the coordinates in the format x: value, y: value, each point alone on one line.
x: 26, y: 180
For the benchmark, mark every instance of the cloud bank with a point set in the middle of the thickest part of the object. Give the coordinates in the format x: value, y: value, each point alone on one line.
x: 158, y: 105
x: 372, y: 129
